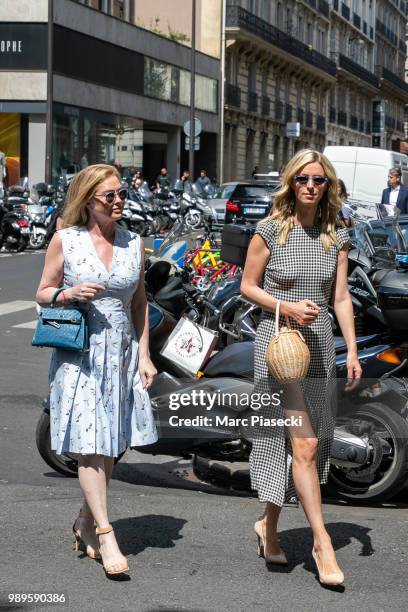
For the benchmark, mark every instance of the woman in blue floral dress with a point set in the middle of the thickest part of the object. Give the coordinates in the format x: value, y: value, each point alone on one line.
x: 99, y: 404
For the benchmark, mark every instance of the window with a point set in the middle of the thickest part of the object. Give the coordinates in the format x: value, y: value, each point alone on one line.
x: 252, y: 77
x: 172, y: 84
x: 301, y: 28
x: 309, y: 34
x: 266, y: 10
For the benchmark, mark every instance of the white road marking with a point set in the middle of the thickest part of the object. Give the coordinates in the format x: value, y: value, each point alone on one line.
x: 15, y: 306
x: 29, y: 325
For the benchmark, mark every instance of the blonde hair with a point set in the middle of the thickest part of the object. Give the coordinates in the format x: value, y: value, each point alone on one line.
x: 81, y: 190
x: 329, y: 205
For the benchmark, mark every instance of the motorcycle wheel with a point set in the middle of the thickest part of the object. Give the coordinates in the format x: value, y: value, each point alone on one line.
x: 149, y: 229
x: 139, y: 228
x: 63, y: 464
x: 193, y: 220
x: 37, y: 242
x: 387, y: 433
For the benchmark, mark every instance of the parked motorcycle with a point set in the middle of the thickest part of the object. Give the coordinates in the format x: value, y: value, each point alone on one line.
x: 14, y: 229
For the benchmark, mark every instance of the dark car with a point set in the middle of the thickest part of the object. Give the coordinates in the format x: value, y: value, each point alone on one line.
x: 249, y: 202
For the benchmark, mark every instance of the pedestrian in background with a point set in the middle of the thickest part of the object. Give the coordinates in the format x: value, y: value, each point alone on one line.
x: 163, y: 180
x: 203, y: 180
x: 346, y: 212
x: 297, y: 257
x: 254, y: 172
x: 99, y: 403
x: 395, y: 195
x: 185, y: 179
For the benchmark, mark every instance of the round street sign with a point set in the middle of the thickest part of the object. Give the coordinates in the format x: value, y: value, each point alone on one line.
x: 197, y: 127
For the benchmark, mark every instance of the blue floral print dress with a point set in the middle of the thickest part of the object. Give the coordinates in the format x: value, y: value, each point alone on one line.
x: 97, y: 402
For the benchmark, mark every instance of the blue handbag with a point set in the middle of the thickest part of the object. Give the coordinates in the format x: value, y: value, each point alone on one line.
x: 61, y: 328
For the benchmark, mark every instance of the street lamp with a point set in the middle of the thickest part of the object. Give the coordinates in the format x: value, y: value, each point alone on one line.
x: 192, y: 93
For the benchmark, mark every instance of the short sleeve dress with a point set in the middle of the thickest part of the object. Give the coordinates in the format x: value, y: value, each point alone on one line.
x: 297, y: 270
x: 97, y: 401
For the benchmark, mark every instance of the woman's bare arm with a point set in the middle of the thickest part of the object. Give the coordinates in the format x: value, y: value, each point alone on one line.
x: 53, y: 273
x: 343, y: 306
x: 140, y: 311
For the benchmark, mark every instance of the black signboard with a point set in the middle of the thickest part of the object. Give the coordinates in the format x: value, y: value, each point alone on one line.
x: 93, y: 60
x: 23, y: 46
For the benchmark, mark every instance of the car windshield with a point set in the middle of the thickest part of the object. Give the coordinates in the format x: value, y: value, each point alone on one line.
x: 224, y: 191
x: 259, y: 192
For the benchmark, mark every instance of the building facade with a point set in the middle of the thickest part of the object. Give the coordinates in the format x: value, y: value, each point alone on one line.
x: 105, y: 90
x: 334, y: 68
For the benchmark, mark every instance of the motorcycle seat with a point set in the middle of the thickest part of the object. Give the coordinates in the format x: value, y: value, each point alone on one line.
x: 17, y: 189
x: 235, y: 360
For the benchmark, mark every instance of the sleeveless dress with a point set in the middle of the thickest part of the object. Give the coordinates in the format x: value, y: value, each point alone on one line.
x: 298, y: 270
x: 97, y: 402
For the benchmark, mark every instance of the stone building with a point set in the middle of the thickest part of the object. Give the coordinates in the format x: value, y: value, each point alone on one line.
x: 324, y: 65
x: 104, y: 89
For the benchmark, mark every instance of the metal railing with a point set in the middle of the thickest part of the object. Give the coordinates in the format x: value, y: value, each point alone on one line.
x: 237, y: 17
x: 394, y: 79
x: 342, y: 118
x: 353, y: 122
x: 233, y: 95
x: 347, y: 64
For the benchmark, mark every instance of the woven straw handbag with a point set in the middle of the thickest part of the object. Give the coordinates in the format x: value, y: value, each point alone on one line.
x: 287, y: 355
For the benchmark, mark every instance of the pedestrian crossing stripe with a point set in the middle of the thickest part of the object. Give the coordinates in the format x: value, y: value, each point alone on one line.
x: 28, y: 325
x: 15, y: 306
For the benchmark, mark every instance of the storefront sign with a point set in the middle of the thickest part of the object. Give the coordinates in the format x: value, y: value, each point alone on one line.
x: 23, y: 46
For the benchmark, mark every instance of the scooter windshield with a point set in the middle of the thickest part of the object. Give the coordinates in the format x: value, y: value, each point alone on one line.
x: 384, y: 240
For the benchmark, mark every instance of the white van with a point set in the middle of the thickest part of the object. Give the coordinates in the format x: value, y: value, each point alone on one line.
x: 365, y: 170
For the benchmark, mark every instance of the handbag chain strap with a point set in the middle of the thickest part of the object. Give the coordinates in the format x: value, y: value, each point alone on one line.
x: 277, y: 319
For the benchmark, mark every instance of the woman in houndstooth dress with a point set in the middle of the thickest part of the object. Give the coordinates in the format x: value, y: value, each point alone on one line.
x: 298, y: 256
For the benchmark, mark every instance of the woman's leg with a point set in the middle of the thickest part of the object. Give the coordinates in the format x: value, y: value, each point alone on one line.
x: 306, y: 479
x: 270, y: 529
x: 93, y: 482
x: 109, y: 463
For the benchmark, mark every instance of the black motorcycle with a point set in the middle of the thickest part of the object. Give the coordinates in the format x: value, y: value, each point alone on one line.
x: 14, y: 229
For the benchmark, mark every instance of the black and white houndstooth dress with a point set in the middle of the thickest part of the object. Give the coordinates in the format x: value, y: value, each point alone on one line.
x: 297, y: 270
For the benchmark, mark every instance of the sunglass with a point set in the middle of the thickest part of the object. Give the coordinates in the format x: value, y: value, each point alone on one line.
x: 110, y: 196
x: 303, y: 179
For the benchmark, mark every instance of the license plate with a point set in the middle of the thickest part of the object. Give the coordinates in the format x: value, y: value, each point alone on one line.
x: 25, y: 230
x: 254, y: 211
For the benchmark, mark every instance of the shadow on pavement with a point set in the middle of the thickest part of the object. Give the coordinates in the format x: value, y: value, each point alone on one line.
x: 298, y: 544
x: 135, y: 534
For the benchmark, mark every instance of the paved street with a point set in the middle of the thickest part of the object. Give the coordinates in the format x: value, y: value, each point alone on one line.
x: 190, y: 545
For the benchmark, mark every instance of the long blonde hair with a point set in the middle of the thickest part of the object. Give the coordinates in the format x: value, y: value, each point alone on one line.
x: 81, y: 190
x: 329, y: 205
